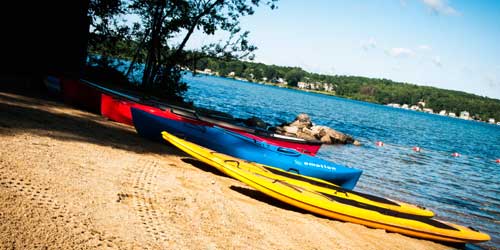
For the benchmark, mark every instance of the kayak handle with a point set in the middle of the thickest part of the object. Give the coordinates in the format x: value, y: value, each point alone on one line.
x: 288, y: 151
x: 237, y: 162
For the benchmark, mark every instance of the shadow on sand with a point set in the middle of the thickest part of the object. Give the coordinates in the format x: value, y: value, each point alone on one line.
x: 20, y: 114
x: 203, y: 166
x: 254, y: 194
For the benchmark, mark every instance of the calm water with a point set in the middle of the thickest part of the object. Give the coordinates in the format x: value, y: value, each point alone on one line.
x: 464, y: 190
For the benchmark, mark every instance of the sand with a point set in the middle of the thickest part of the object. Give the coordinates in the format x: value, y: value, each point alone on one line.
x: 70, y: 179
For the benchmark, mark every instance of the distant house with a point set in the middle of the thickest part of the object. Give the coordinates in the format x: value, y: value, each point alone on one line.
x: 415, y: 107
x: 421, y: 104
x: 428, y: 110
x: 465, y: 115
x: 231, y: 74
x: 491, y: 120
x: 442, y: 112
x: 451, y: 114
x: 394, y: 105
x: 264, y: 79
x: 405, y: 106
x: 281, y: 80
x: 302, y: 85
x: 207, y: 71
x: 328, y: 87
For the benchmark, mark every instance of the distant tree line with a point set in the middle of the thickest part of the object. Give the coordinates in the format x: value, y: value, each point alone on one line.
x: 382, y: 91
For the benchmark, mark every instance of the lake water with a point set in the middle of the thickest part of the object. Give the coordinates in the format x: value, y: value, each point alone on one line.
x: 464, y: 190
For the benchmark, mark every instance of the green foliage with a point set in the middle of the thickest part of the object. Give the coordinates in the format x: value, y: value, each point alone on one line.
x: 382, y: 91
x: 294, y: 76
x: 159, y: 38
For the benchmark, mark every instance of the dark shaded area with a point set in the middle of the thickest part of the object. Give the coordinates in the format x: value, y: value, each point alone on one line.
x: 254, y: 194
x: 43, y: 37
x: 84, y: 127
x: 107, y: 75
x: 203, y: 166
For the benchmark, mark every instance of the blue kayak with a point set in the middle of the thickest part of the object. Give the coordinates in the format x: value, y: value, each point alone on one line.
x: 239, y: 146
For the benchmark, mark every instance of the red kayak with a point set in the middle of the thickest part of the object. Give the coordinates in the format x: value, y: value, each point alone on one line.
x: 118, y: 109
x: 79, y: 94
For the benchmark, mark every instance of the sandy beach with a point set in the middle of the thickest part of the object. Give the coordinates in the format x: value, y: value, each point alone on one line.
x: 70, y: 179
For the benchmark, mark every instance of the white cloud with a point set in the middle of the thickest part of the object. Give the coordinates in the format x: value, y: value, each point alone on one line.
x: 369, y: 44
x: 441, y: 7
x: 424, y: 47
x: 400, y: 52
x: 437, y: 61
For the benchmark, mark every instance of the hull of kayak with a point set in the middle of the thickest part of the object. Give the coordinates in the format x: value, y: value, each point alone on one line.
x: 82, y: 95
x: 119, y: 110
x: 344, y: 208
x: 213, y: 158
x: 116, y: 105
x: 230, y: 143
x: 305, y: 147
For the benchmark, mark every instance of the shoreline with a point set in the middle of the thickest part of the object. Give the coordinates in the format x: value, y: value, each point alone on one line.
x: 335, y: 95
x: 72, y: 179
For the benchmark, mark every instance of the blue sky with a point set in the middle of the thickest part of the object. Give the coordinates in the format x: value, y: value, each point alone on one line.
x: 446, y: 44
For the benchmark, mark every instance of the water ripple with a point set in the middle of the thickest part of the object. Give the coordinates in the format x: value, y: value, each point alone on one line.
x: 464, y: 190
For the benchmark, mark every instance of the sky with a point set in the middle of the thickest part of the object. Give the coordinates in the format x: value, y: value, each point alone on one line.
x: 447, y: 44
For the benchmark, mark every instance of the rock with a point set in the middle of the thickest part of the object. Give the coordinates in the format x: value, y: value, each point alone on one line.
x: 326, y: 139
x: 306, y: 136
x: 291, y: 129
x: 302, y: 127
x: 303, y: 118
x: 301, y: 121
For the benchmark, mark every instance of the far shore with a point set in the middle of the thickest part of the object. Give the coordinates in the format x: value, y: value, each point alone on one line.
x: 281, y: 85
x: 70, y: 179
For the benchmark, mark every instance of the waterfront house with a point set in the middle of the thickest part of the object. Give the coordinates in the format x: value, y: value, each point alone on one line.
x: 231, y: 74
x: 491, y: 120
x: 464, y: 115
x: 442, y: 112
x: 405, y: 106
x: 207, y: 71
x: 415, y: 107
x: 302, y: 85
x: 328, y: 87
x: 428, y: 110
x: 451, y: 114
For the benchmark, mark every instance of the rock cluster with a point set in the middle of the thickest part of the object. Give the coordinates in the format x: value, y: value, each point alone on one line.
x: 302, y: 127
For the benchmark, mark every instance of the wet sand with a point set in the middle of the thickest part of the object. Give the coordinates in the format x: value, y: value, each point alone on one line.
x: 70, y: 179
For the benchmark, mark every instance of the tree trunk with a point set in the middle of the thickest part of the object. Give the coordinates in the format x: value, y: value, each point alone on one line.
x: 155, y: 46
x: 137, y: 51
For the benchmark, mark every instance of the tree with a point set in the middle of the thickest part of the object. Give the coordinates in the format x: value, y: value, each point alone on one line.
x: 165, y: 22
x: 107, y: 33
x: 294, y: 76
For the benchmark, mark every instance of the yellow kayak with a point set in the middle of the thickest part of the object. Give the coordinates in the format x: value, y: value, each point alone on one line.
x: 321, y: 186
x: 351, y: 207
